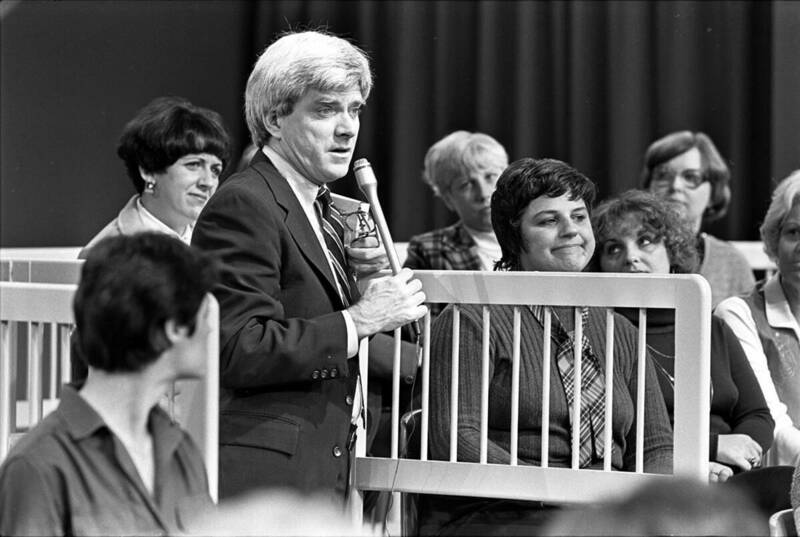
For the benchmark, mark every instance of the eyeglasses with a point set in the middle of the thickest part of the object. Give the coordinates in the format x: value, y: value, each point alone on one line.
x: 663, y: 177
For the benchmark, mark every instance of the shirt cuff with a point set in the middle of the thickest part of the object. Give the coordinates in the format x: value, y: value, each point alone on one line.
x: 352, y: 335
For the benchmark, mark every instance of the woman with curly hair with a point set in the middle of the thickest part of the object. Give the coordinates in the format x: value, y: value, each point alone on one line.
x: 638, y: 232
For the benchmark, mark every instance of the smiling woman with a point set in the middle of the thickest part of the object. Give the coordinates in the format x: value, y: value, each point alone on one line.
x: 174, y: 153
x: 541, y: 216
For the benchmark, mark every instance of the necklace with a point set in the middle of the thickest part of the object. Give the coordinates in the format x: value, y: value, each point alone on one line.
x: 660, y: 368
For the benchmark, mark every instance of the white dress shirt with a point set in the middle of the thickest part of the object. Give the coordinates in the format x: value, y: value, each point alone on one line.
x: 306, y: 192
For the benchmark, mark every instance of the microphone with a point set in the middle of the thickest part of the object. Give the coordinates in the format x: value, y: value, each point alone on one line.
x: 365, y: 177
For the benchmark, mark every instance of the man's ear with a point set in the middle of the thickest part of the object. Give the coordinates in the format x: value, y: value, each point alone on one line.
x: 174, y: 332
x: 273, y: 123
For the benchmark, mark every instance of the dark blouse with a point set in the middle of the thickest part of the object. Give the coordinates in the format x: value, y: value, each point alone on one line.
x: 737, y: 403
x: 70, y: 475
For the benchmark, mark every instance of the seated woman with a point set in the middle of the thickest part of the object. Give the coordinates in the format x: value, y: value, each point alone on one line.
x: 686, y: 167
x: 462, y: 169
x: 540, y: 213
x: 637, y: 232
x: 174, y: 153
x: 766, y: 322
x: 108, y: 460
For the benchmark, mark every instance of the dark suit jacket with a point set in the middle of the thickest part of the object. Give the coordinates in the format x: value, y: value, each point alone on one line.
x: 286, y: 383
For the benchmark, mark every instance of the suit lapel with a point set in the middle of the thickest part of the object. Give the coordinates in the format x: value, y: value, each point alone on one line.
x: 296, y: 221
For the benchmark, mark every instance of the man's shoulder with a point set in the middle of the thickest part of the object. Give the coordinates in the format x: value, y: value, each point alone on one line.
x: 243, y: 189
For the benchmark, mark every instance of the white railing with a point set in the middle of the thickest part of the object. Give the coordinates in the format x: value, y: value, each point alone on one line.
x: 27, y: 313
x: 689, y: 295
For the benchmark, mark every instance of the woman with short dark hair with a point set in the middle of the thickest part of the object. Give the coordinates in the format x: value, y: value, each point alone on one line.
x: 109, y: 460
x: 174, y: 153
x: 540, y: 214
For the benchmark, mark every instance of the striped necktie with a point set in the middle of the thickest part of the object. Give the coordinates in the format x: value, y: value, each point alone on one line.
x: 592, y: 386
x: 333, y: 231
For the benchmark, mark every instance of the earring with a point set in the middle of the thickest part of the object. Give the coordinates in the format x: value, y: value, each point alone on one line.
x: 150, y: 186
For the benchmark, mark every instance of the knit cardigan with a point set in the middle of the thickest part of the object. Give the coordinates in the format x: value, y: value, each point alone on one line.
x: 657, y: 430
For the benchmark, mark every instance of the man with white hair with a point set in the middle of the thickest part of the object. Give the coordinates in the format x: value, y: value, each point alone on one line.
x: 290, y: 312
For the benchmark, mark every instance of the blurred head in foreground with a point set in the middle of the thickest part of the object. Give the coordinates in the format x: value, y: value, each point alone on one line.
x: 677, y: 506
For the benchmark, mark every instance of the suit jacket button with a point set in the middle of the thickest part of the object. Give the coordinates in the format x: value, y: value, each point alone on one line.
x: 315, y: 374
x: 349, y: 400
x: 337, y: 451
x: 324, y: 373
x: 334, y: 373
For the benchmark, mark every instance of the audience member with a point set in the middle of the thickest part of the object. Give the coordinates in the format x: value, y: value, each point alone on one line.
x: 291, y: 314
x: 686, y: 167
x: 174, y: 153
x: 676, y: 507
x: 108, y: 460
x: 540, y: 214
x: 638, y: 232
x: 766, y: 322
x: 462, y: 169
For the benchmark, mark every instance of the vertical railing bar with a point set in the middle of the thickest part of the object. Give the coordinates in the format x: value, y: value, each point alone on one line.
x: 211, y: 404
x: 609, y: 389
x: 546, y: 359
x: 7, y: 379
x: 35, y: 351
x: 66, y: 358
x: 485, y: 385
x: 454, y: 385
x: 515, y: 388
x: 426, y: 383
x: 52, y: 392
x: 395, y: 439
x: 577, y: 348
x: 641, y: 365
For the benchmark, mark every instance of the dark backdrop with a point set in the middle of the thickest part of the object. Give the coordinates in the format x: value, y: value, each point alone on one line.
x: 591, y: 83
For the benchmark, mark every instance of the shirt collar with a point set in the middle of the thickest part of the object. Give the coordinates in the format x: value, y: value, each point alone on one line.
x: 153, y: 223
x: 305, y: 189
x: 776, y: 307
x: 83, y: 421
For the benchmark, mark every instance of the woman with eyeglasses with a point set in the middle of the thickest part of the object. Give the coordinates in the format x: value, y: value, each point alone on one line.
x: 686, y: 167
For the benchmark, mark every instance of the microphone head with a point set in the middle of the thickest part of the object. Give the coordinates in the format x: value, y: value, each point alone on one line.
x: 365, y: 177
